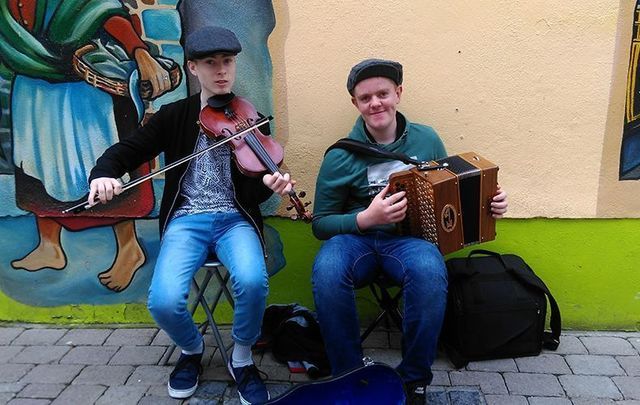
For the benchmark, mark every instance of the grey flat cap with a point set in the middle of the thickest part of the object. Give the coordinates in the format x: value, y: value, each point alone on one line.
x: 209, y: 40
x: 374, y: 68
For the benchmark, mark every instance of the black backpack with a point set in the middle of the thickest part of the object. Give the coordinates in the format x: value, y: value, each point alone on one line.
x: 496, y: 308
x: 292, y: 333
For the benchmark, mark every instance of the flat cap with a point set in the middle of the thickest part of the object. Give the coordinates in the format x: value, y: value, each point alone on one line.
x: 374, y: 68
x: 210, y: 40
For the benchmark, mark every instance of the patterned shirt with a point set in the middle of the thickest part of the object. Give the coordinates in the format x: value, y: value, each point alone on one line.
x: 206, y: 186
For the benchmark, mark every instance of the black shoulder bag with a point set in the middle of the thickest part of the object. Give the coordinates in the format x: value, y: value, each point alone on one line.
x: 496, y: 308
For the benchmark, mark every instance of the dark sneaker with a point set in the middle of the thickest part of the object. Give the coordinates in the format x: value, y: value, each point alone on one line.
x: 251, y: 388
x: 183, y: 380
x: 416, y: 392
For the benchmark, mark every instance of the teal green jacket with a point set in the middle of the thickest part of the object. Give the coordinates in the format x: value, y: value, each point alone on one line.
x: 347, y: 182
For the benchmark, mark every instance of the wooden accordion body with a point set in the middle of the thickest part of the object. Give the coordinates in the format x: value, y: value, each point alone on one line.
x: 451, y: 206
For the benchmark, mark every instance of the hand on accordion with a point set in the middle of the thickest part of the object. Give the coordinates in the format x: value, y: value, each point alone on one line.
x: 499, y: 203
x: 384, y: 209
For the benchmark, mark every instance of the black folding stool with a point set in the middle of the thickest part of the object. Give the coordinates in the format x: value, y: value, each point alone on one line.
x: 388, y: 303
x: 213, y: 269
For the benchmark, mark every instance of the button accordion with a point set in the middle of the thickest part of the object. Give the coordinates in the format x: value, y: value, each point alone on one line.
x: 449, y: 206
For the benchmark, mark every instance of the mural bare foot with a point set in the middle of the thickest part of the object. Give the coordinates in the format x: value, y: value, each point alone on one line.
x: 49, y: 253
x: 129, y: 258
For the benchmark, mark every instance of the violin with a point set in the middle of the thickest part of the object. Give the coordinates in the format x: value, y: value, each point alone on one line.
x: 255, y: 153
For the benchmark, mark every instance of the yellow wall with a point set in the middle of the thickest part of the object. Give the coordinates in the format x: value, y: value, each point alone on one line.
x: 535, y: 86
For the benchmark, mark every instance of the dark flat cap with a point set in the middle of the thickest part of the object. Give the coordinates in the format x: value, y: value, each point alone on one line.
x: 374, y: 68
x: 209, y: 40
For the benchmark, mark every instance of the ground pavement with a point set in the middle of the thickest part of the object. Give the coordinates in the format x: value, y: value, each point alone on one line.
x: 121, y: 365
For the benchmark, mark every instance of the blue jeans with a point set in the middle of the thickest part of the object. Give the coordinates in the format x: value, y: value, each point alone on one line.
x: 347, y: 262
x: 186, y: 243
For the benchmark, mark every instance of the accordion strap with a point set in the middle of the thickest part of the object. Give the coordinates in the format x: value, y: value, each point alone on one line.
x: 368, y: 149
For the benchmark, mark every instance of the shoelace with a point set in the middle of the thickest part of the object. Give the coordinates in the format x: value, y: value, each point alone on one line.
x: 250, y: 375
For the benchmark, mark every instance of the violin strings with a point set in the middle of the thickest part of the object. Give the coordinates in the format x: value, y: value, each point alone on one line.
x: 255, y: 145
x: 262, y: 154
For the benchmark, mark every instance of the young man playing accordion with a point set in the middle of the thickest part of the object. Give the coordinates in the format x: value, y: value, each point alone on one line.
x: 356, y: 217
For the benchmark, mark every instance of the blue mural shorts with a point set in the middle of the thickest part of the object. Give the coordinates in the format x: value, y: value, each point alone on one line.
x: 347, y: 262
x: 186, y: 244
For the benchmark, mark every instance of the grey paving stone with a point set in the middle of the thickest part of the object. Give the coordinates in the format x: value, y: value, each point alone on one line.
x: 635, y: 342
x: 387, y: 356
x: 543, y: 385
x: 13, y: 387
x: 28, y: 401
x: 161, y: 339
x: 589, y: 386
x: 569, y: 345
x: 89, y: 355
x: 131, y: 337
x: 220, y: 373
x: 5, y: 397
x: 275, y: 373
x: 506, y: 400
x: 442, y: 363
x: 629, y: 386
x: 441, y: 378
x: 121, y: 395
x: 437, y: 397
x: 137, y: 355
x: 8, y: 334
x: 490, y: 383
x: 8, y: 352
x: 40, y: 354
x: 156, y: 390
x: 79, y: 394
x: 52, y: 373
x: 493, y: 365
x: 630, y: 364
x: 13, y: 372
x: 545, y: 363
x: 548, y: 401
x: 465, y: 397
x: 594, y: 401
x: 267, y: 359
x: 594, y: 365
x: 85, y: 337
x: 46, y: 391
x: 378, y: 339
x: 104, y: 375
x: 39, y: 337
x: 209, y: 392
x: 150, y: 375
x: 608, y: 345
x: 153, y: 400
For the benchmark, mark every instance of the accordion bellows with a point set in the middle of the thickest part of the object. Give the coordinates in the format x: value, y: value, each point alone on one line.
x: 451, y: 206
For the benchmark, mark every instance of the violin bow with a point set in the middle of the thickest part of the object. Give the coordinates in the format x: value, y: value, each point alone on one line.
x: 85, y: 206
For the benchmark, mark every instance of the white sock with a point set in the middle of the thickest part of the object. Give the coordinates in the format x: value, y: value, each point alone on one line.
x: 241, y: 355
x: 197, y: 350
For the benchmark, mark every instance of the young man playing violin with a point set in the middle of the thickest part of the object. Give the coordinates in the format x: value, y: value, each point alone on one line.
x: 356, y: 217
x: 208, y: 208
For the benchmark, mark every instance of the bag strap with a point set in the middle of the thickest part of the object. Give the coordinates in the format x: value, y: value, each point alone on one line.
x: 550, y: 340
x: 369, y: 149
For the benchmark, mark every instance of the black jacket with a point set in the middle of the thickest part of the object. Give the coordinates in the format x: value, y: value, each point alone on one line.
x: 174, y: 130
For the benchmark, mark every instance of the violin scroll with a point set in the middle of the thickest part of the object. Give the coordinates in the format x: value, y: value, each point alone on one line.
x: 301, y: 208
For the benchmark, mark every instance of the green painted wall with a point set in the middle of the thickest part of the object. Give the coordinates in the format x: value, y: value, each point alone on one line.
x: 590, y: 266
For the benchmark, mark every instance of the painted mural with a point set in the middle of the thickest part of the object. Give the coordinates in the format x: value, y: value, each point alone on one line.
x: 630, y: 153
x: 75, y: 77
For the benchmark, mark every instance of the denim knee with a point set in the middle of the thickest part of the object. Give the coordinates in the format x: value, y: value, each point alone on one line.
x: 164, y: 308
x: 251, y: 286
